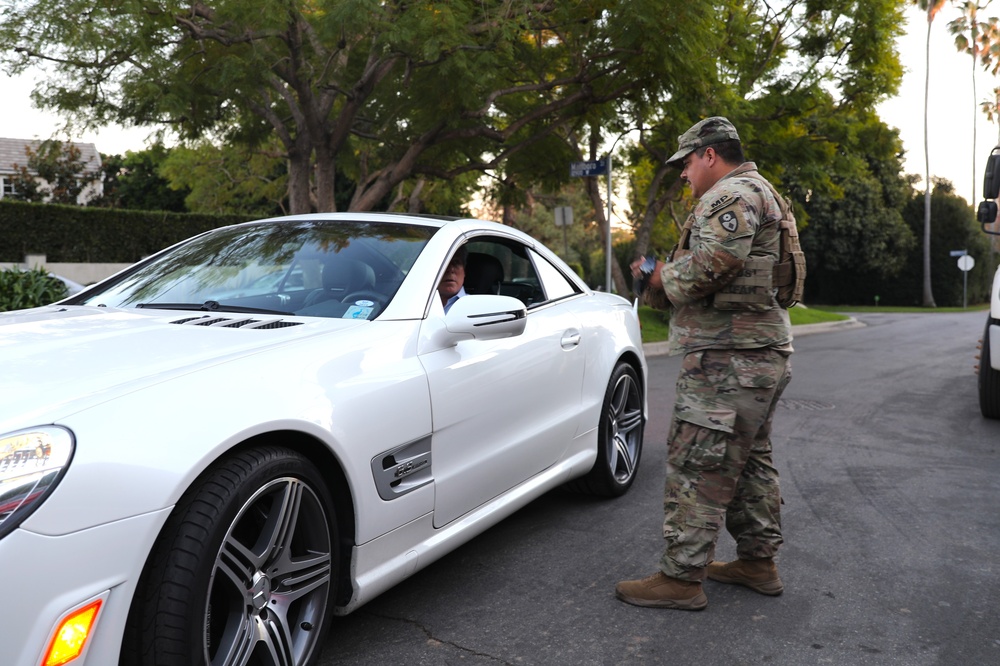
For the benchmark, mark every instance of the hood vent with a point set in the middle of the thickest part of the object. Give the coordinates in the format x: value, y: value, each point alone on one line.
x: 227, y: 322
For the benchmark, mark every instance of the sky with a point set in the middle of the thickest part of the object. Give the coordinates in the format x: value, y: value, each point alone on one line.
x: 950, y: 116
x: 951, y: 113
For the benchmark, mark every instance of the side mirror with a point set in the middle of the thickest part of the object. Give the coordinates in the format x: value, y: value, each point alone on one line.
x: 484, y: 317
x: 987, y: 212
x: 991, y: 181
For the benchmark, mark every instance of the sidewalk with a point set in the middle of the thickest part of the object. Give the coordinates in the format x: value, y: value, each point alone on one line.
x: 660, y: 348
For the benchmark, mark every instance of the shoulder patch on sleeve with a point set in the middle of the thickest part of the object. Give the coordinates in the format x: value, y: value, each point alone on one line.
x: 720, y: 203
x: 728, y: 219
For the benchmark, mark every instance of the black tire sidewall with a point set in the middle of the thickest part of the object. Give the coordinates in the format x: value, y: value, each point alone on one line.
x: 989, y: 379
x: 183, y: 560
x: 605, y: 444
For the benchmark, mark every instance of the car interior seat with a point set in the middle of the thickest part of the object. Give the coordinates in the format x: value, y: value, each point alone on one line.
x: 342, y: 277
x: 483, y: 274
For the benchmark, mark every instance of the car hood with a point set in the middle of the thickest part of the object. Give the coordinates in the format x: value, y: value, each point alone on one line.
x: 58, y: 360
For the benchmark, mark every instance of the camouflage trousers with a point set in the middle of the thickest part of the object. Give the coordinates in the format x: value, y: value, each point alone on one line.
x: 719, y: 459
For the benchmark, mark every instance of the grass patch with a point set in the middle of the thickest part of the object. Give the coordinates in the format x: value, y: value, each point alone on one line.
x: 656, y: 323
x: 901, y: 308
x: 813, y: 316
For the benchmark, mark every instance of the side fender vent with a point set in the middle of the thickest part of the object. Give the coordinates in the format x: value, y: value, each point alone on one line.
x: 403, y: 469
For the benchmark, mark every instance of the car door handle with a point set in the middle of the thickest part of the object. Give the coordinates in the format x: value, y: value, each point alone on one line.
x: 570, y: 339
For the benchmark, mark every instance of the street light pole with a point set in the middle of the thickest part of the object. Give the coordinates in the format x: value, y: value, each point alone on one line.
x: 597, y: 168
x: 607, y: 249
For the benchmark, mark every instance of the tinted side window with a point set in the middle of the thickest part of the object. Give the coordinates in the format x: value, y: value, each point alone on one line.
x: 523, y: 274
x: 554, y: 283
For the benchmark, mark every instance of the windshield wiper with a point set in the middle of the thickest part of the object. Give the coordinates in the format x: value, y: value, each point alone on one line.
x: 211, y: 306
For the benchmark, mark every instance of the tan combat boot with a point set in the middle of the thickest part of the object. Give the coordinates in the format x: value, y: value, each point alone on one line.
x: 759, y: 575
x: 660, y: 591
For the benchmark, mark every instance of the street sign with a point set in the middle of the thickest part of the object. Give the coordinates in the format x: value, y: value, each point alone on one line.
x: 599, y: 168
x: 593, y: 168
x: 564, y: 216
x: 958, y: 253
x: 965, y: 264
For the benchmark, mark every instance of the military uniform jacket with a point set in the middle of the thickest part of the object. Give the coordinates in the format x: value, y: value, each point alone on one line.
x: 735, y: 221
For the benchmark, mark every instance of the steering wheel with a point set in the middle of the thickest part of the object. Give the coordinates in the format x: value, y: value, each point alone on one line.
x: 363, y: 294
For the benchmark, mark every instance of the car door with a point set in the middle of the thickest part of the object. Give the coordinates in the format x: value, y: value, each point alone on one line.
x: 503, y: 410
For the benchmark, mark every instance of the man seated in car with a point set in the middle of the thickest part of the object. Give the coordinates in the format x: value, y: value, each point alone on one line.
x: 452, y: 285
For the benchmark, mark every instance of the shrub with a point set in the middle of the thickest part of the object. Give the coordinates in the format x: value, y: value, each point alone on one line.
x: 28, y: 289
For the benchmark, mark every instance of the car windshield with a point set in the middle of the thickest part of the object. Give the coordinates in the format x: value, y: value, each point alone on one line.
x: 320, y: 268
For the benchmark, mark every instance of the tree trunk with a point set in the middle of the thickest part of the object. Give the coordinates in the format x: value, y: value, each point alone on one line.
x: 928, y: 296
x: 654, y: 206
x: 325, y: 180
x: 618, y: 284
x: 975, y: 109
x: 298, y: 182
x: 373, y: 190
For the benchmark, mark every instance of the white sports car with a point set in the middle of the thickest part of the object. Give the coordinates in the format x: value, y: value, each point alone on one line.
x: 205, y: 457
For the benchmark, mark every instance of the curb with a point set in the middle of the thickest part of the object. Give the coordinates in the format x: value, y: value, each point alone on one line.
x: 660, y: 348
x: 842, y: 325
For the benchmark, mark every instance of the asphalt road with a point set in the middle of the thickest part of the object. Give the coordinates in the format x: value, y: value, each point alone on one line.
x: 891, y: 483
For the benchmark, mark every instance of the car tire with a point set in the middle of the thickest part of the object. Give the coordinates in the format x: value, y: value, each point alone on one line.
x: 989, y: 379
x: 244, y: 570
x: 619, y: 437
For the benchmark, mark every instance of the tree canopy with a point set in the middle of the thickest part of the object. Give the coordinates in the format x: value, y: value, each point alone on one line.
x: 379, y: 91
x: 378, y: 104
x: 134, y: 181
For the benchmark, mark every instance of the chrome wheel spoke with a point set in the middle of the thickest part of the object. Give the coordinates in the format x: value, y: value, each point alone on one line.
x: 277, y: 557
x: 296, y: 578
x: 629, y: 421
x: 624, y: 428
x: 278, y: 640
x: 624, y: 463
x: 280, y: 526
x: 239, y: 649
x: 237, y: 564
x: 619, y: 401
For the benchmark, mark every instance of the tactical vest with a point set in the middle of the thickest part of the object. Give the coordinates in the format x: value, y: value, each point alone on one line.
x: 790, y: 271
x: 761, y: 277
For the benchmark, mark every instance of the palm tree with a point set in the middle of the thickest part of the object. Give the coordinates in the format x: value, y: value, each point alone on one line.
x: 983, y: 44
x: 931, y: 7
x: 968, y: 40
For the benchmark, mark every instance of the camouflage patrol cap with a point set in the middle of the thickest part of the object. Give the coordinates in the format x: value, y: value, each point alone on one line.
x: 703, y: 133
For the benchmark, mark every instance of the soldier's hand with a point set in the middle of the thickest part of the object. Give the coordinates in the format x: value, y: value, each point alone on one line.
x: 635, y: 266
x: 653, y: 279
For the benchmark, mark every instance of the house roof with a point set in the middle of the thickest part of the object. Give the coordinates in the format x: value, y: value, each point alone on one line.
x: 12, y: 152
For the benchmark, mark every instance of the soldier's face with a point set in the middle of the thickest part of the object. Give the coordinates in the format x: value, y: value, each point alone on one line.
x: 698, y: 171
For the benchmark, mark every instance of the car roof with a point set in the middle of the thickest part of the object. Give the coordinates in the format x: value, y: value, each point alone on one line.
x: 459, y: 225
x: 396, y: 218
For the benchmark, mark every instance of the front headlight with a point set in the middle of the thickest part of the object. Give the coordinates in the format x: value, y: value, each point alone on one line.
x: 31, y: 463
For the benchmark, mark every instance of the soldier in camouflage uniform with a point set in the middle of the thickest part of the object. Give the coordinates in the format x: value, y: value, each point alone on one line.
x: 736, y: 342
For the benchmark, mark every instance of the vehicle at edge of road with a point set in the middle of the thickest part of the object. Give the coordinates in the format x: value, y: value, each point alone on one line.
x: 199, y: 466
x: 989, y: 357
x: 72, y: 287
x: 989, y: 363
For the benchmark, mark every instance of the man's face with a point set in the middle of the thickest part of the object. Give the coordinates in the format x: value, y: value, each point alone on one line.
x: 697, y: 171
x: 453, y: 279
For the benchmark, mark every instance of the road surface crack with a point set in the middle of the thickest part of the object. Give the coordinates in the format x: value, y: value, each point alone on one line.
x: 431, y: 637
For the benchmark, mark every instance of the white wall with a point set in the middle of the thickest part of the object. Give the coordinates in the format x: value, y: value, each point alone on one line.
x: 83, y: 273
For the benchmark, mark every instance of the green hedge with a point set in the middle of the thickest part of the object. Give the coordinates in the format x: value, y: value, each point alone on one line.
x: 75, y: 234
